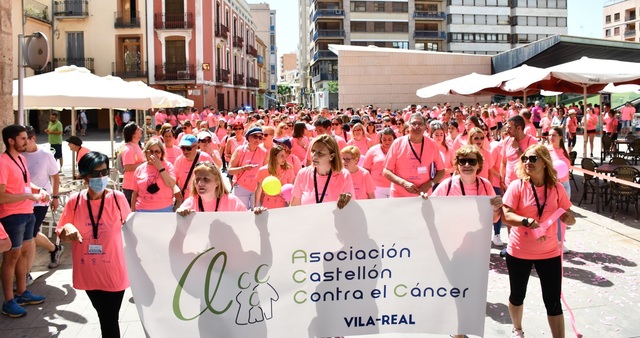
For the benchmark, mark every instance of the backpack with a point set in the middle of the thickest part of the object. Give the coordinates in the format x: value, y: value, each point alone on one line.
x: 119, y: 164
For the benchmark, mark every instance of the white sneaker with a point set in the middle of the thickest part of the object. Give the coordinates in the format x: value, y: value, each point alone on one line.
x: 564, y: 249
x: 515, y: 333
x: 496, y: 241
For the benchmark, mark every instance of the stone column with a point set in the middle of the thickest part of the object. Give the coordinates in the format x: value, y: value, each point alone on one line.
x: 6, y: 70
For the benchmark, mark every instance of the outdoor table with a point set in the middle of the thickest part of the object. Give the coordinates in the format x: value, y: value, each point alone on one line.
x: 622, y: 141
x: 610, y: 168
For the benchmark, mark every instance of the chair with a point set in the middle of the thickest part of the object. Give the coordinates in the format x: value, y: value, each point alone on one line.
x: 630, y: 137
x: 572, y: 156
x: 623, y: 194
x: 634, y: 151
x: 619, y: 161
x: 589, y: 183
x: 608, y: 148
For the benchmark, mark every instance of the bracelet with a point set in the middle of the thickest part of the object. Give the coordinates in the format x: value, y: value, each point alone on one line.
x: 161, y: 170
x: 55, y: 196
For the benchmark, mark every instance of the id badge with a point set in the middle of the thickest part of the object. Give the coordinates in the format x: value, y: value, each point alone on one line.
x: 422, y: 170
x: 95, y: 249
x: 27, y: 190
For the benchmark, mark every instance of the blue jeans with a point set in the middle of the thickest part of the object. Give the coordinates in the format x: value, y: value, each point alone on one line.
x: 247, y: 197
x: 497, y: 225
x: 19, y: 227
x: 567, y: 188
x: 166, y: 209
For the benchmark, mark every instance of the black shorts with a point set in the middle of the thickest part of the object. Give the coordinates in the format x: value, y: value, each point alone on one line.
x: 494, y: 128
x: 591, y: 132
x: 58, y: 149
x: 545, y: 134
x: 536, y: 124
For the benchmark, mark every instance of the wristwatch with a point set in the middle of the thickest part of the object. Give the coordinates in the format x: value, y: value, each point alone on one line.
x: 525, y: 222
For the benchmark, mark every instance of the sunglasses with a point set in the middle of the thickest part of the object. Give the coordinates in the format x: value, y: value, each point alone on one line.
x: 259, y: 137
x: 238, y: 128
x: 532, y: 159
x: 470, y: 161
x: 99, y: 173
x: 478, y: 138
x: 206, y: 140
x: 187, y: 148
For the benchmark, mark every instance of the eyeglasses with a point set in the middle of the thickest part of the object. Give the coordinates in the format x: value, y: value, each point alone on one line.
x: 155, y: 152
x: 187, y: 148
x: 532, y: 158
x: 346, y: 159
x: 206, y: 140
x: 99, y: 173
x: 478, y: 138
x: 259, y: 137
x: 238, y: 128
x: 470, y: 161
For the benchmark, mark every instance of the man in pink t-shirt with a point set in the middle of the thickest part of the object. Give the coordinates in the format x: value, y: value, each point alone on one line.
x: 132, y: 157
x: 160, y: 117
x: 626, y: 116
x: 184, y: 162
x: 413, y: 163
x: 514, y: 146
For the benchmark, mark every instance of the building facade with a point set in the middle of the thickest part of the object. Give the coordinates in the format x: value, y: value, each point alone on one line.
x: 265, y: 20
x: 621, y: 21
x: 288, y: 62
x: 461, y: 26
x: 263, y: 73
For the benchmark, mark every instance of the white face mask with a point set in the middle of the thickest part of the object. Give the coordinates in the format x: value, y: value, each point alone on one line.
x: 98, y: 184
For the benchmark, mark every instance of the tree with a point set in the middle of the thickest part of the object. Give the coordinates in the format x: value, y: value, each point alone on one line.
x: 284, y: 91
x: 332, y: 86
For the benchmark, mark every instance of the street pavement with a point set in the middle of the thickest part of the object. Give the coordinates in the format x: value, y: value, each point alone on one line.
x: 600, y: 285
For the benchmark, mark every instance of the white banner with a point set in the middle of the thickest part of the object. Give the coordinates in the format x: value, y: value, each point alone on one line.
x: 377, y: 266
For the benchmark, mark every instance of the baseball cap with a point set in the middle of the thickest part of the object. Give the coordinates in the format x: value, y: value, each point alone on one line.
x: 284, y: 140
x: 75, y: 140
x: 254, y: 130
x: 188, y: 141
x: 203, y: 135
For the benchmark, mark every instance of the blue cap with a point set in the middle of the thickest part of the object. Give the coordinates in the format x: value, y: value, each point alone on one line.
x: 188, y: 141
x: 254, y: 130
x: 284, y: 140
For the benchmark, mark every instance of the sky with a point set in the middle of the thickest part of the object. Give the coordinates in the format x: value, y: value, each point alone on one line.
x: 585, y: 19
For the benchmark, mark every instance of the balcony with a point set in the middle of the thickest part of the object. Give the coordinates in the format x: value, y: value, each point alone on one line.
x: 424, y: 15
x: 36, y: 10
x: 175, y: 72
x: 222, y: 75
x: 260, y: 60
x: 129, y: 71
x: 324, y: 54
x: 328, y: 13
x: 263, y: 86
x: 71, y: 9
x: 238, y: 42
x: 79, y: 62
x: 252, y: 51
x: 431, y: 35
x: 238, y: 79
x: 222, y: 31
x: 325, y: 77
x: 328, y: 33
x: 630, y: 33
x: 173, y: 20
x: 630, y: 17
x: 48, y: 68
x: 126, y: 20
x: 253, y: 82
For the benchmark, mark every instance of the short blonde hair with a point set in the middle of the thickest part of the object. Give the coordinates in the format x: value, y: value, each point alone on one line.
x: 155, y: 142
x: 212, y: 169
x: 467, y: 150
x: 353, y: 150
x: 550, y: 173
x: 331, y: 144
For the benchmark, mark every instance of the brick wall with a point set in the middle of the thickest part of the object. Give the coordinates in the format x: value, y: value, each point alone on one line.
x: 6, y: 61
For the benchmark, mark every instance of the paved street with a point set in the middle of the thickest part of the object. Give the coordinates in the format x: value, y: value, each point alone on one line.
x: 600, y: 285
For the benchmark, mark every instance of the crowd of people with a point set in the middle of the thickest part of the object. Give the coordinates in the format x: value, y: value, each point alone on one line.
x: 209, y: 160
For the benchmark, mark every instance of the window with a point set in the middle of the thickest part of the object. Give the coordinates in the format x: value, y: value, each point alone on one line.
x: 468, y: 19
x: 400, y: 44
x: 492, y: 19
x: 379, y: 27
x: 562, y: 22
x: 616, y: 17
x: 358, y: 6
x: 378, y: 6
x: 400, y: 7
x: 607, y: 33
x: 400, y: 27
x: 607, y: 19
x: 616, y: 31
x: 358, y: 26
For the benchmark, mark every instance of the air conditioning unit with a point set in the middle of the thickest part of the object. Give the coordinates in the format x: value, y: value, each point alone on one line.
x: 183, y: 75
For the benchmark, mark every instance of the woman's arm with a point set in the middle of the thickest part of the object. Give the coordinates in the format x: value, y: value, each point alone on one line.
x: 134, y: 197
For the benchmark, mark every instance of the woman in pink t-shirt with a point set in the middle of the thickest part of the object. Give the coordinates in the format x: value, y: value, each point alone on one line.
x: 132, y: 157
x: 462, y: 139
x: 155, y: 180
x: 572, y: 128
x: 278, y: 167
x: 359, y: 140
x: 371, y: 133
x: 530, y: 201
x: 221, y: 130
x: 325, y: 180
x: 437, y: 133
x: 611, y: 126
x: 590, y: 121
x: 374, y: 161
x: 299, y: 142
x: 171, y: 152
x: 93, y: 220
x: 361, y: 178
x: 477, y: 138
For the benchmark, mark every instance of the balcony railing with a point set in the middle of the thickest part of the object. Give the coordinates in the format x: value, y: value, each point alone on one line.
x: 437, y: 35
x: 325, y: 77
x: 252, y: 51
x: 238, y: 42
x: 48, y: 68
x: 630, y: 32
x: 80, y: 62
x: 36, y: 10
x: 260, y: 59
x: 429, y: 15
x: 175, y: 72
x: 126, y: 20
x: 238, y: 79
x: 129, y: 70
x: 328, y: 33
x: 222, y: 31
x: 173, y: 20
x: 328, y: 13
x: 253, y: 82
x: 74, y: 8
x: 222, y: 75
x: 324, y: 54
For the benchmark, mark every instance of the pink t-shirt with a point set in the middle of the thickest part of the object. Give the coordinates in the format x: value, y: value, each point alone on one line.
x: 295, y: 162
x: 519, y: 196
x: 530, y: 130
x: 482, y: 187
x: 496, y: 155
x: 285, y: 176
x: 247, y: 178
x: 81, y: 152
x: 592, y: 122
x: 374, y: 161
x: 131, y: 154
x: 233, y: 144
x: 228, y: 202
x: 362, y: 184
x: 171, y: 154
x: 545, y: 124
x: 11, y: 176
x: 447, y: 157
x: 106, y: 271
x: 146, y: 175
x: 303, y: 187
x: 626, y: 113
x: 572, y: 125
x: 558, y: 154
x: 415, y: 165
x: 512, y: 156
x: 221, y: 133
x: 181, y: 169
x: 298, y: 150
x: 488, y: 163
x: 611, y: 124
x: 362, y: 145
x: 160, y: 118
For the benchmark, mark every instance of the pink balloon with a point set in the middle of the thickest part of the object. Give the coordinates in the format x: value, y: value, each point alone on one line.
x: 287, y: 192
x: 561, y: 168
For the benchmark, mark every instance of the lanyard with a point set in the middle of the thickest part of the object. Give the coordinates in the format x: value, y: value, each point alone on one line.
x: 22, y: 168
x: 414, y: 151
x: 319, y: 199
x: 462, y: 187
x: 94, y: 224
x: 535, y: 195
x: 201, y: 206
